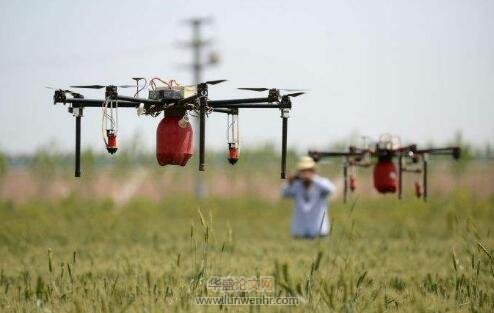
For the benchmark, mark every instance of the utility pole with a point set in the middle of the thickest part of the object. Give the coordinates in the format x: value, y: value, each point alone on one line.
x: 197, y: 44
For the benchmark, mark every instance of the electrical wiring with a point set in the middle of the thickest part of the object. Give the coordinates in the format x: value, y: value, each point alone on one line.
x: 232, y: 129
x: 142, y: 88
x: 153, y: 84
x: 169, y: 84
x: 110, y: 116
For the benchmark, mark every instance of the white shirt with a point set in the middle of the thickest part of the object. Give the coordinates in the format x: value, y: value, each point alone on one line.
x: 310, y: 211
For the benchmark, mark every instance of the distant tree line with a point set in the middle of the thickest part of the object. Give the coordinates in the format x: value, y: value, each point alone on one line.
x: 49, y: 160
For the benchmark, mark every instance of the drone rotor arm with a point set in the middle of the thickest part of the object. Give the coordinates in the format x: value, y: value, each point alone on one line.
x: 317, y: 155
x: 455, y: 151
x: 229, y: 102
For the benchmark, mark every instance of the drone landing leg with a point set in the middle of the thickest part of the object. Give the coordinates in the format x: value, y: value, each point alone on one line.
x: 202, y: 135
x: 424, y: 163
x: 400, y: 175
x: 345, y: 180
x: 78, y: 145
x: 283, y: 146
x: 202, y: 127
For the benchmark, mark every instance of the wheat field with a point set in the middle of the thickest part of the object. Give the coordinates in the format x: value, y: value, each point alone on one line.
x: 382, y: 255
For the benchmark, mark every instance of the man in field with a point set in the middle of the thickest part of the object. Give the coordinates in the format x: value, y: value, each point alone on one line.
x: 310, y: 193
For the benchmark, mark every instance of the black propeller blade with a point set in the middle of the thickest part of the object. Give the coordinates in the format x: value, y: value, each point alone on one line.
x: 285, y: 89
x: 72, y: 93
x: 259, y: 89
x: 214, y: 82
x: 101, y: 86
x: 210, y: 82
x: 253, y: 89
x: 88, y: 86
x: 295, y: 94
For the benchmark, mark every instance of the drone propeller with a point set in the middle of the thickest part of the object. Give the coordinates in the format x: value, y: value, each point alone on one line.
x: 253, y: 89
x: 214, y: 82
x: 101, y: 86
x: 285, y: 89
x: 295, y: 94
x: 72, y: 93
x: 259, y: 89
x: 209, y: 82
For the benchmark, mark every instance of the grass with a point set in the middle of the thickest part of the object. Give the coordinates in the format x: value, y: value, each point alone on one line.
x: 79, y: 255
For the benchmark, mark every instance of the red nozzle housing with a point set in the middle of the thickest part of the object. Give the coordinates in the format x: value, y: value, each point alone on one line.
x: 111, y: 144
x: 233, y: 154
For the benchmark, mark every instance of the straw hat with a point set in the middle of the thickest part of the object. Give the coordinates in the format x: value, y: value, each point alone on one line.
x: 306, y: 163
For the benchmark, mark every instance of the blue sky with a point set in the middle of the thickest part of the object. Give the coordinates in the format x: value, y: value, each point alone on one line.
x: 420, y: 69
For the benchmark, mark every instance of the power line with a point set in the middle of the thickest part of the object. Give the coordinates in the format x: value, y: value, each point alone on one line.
x: 197, y: 45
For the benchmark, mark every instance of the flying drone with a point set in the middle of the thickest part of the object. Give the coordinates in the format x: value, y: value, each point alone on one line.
x: 174, y: 135
x: 387, y: 179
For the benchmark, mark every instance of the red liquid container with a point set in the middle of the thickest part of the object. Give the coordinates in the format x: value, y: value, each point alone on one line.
x: 173, y: 142
x: 385, y: 176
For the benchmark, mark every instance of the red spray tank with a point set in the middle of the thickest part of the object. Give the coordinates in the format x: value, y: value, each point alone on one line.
x: 174, y: 139
x: 385, y: 176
